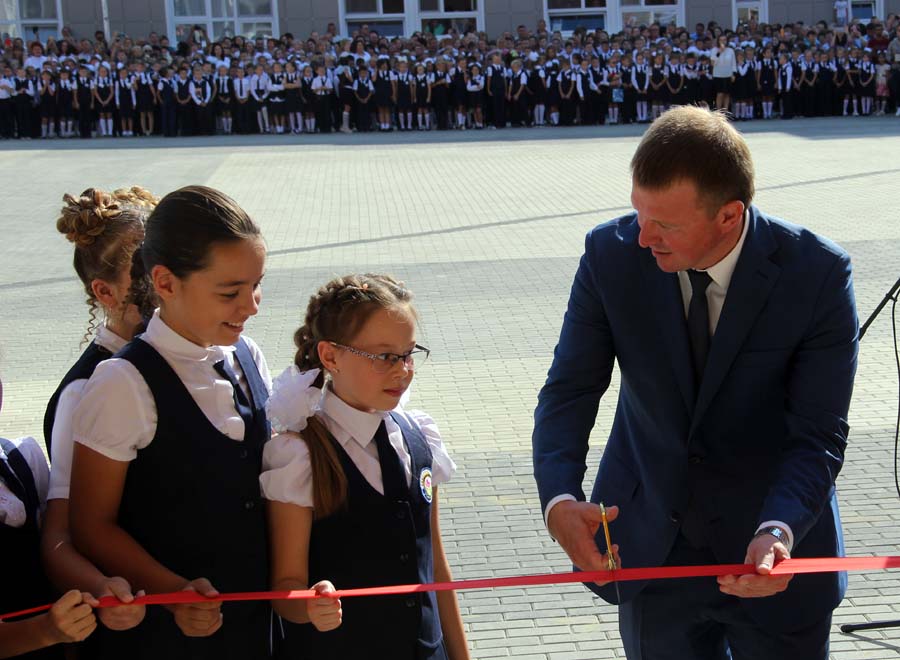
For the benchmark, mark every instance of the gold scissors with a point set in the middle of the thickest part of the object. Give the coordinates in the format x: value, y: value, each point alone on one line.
x: 610, y: 557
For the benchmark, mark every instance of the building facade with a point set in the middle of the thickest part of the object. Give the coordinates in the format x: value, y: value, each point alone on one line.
x: 176, y: 18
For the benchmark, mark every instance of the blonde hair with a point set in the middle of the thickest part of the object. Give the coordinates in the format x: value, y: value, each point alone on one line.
x: 106, y: 229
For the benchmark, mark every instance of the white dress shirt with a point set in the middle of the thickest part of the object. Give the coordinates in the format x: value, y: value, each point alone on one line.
x: 62, y: 444
x: 287, y: 472
x: 720, y: 274
x: 117, y: 413
x: 12, y: 509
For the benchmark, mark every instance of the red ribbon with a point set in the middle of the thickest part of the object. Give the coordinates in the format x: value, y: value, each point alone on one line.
x: 786, y: 567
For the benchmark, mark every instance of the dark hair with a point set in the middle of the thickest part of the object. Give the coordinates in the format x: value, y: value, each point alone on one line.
x: 106, y: 229
x: 689, y: 143
x: 337, y: 312
x: 187, y: 223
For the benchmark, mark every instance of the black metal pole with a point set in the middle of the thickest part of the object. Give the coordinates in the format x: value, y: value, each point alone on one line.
x: 890, y: 296
x: 875, y: 625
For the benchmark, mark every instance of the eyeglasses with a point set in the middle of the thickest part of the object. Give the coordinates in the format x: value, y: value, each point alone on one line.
x: 382, y: 363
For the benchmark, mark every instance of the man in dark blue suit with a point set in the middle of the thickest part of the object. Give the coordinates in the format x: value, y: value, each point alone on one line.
x: 736, y: 338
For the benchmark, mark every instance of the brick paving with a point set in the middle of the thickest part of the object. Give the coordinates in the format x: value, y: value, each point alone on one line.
x: 487, y: 229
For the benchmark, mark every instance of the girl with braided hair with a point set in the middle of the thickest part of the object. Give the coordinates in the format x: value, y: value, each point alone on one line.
x: 106, y: 229
x: 351, y: 482
x: 169, y: 436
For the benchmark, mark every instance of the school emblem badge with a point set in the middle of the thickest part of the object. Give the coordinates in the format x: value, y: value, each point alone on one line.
x: 425, y: 484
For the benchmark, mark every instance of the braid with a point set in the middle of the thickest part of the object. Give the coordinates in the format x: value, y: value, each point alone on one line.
x: 336, y: 312
x: 106, y: 229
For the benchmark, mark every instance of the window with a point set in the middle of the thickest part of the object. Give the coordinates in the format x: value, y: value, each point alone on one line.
x: 220, y: 18
x: 645, y: 12
x: 744, y: 11
x: 863, y: 10
x: 440, y: 16
x: 384, y: 28
x: 30, y: 19
x: 566, y: 16
x: 403, y: 17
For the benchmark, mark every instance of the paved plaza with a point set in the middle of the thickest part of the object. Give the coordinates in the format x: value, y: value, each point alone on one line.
x: 487, y: 229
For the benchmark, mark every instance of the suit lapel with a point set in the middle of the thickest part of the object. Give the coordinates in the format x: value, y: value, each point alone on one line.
x: 754, y: 276
x: 668, y: 306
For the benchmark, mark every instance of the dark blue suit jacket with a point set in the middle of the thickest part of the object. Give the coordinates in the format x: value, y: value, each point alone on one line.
x: 762, y: 439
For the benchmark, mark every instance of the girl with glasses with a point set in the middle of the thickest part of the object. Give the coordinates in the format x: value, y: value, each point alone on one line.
x: 351, y: 482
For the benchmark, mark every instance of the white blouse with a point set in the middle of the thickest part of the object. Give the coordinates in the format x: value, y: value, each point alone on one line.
x: 62, y: 444
x: 117, y: 413
x: 287, y: 472
x: 12, y: 509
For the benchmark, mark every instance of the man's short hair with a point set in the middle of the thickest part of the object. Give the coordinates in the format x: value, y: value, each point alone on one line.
x: 688, y: 143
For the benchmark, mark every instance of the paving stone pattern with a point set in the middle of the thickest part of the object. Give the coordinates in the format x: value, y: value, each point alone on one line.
x: 487, y: 229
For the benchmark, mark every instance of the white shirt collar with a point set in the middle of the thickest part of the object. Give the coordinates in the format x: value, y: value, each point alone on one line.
x: 109, y: 340
x: 167, y: 341
x: 721, y: 272
x: 358, y: 424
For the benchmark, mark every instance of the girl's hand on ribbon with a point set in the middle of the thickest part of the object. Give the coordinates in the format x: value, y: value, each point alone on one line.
x: 199, y: 619
x: 574, y: 525
x: 71, y: 619
x: 325, y: 613
x: 124, y: 616
x: 763, y: 552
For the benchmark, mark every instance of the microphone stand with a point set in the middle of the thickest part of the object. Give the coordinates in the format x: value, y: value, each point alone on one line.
x: 892, y: 294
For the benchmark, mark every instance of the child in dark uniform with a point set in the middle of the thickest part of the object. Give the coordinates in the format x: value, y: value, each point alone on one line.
x: 349, y: 464
x: 180, y: 411
x: 84, y: 102
x: 146, y: 99
x: 364, y: 92
x: 292, y: 104
x: 657, y: 92
x: 766, y: 72
x: 65, y: 97
x: 404, y: 96
x: 384, y: 93
x: 422, y: 98
x: 223, y: 91
x: 47, y: 103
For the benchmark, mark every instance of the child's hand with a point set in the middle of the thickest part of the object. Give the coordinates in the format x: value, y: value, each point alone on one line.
x: 120, y: 617
x: 325, y: 613
x: 71, y: 619
x: 199, y: 619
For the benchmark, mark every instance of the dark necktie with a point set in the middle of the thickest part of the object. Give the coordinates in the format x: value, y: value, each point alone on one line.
x: 241, y: 403
x: 392, y: 475
x: 698, y: 321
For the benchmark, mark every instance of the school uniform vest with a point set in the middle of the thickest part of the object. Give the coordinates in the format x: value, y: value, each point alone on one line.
x: 497, y: 79
x: 192, y: 500
x: 83, y: 369
x: 183, y: 89
x: 167, y: 93
x: 375, y: 541
x: 224, y: 86
x: 24, y: 582
x: 84, y: 92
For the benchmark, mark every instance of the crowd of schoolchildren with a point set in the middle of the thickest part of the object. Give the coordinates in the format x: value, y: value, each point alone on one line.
x: 370, y: 82
x: 177, y: 464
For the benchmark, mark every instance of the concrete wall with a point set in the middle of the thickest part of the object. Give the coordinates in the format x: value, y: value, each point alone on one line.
x: 137, y: 19
x: 83, y: 16
x: 301, y: 17
x: 704, y: 11
x: 505, y: 15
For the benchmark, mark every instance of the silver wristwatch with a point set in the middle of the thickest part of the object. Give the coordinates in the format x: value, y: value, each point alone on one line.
x: 777, y: 532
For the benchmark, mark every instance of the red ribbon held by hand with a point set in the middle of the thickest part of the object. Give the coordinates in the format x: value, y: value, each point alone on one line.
x: 785, y: 567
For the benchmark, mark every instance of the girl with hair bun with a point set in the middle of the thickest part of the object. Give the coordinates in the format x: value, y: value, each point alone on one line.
x: 351, y: 483
x: 169, y: 436
x: 106, y: 229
